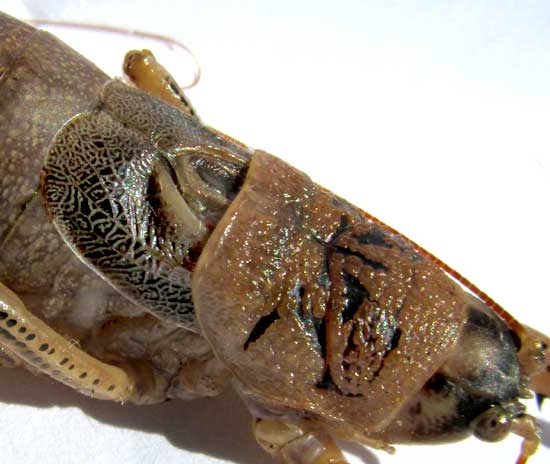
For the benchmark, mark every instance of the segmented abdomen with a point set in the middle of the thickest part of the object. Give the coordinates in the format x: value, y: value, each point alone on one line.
x: 43, y: 83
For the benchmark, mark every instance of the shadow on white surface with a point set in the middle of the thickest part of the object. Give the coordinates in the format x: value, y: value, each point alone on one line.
x: 545, y: 427
x: 218, y: 427
x: 363, y: 453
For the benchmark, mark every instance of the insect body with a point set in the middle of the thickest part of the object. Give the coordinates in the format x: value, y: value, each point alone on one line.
x: 178, y: 259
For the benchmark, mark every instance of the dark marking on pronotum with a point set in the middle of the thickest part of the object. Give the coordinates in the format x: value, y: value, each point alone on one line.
x: 321, y: 326
x: 356, y: 293
x: 300, y: 303
x: 344, y: 224
x: 327, y: 383
x: 342, y: 227
x: 313, y: 326
x: 261, y: 326
x: 395, y: 339
x: 350, y: 347
x: 375, y: 237
x: 376, y: 265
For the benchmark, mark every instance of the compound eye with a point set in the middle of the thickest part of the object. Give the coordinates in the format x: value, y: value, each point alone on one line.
x: 493, y: 425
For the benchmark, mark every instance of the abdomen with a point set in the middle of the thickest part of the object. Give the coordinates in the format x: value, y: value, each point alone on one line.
x: 43, y: 83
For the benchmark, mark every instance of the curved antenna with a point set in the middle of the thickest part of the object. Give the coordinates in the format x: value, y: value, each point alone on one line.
x: 169, y: 42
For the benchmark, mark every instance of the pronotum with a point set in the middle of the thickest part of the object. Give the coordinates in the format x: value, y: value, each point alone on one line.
x: 254, y: 339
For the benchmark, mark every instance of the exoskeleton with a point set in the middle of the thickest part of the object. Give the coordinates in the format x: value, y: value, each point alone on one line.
x: 146, y: 256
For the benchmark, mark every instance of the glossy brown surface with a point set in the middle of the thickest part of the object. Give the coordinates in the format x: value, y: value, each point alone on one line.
x: 318, y: 310
x: 312, y: 306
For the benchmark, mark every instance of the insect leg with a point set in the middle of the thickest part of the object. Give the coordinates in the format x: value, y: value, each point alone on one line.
x: 147, y: 74
x: 28, y: 337
x: 8, y: 359
x: 121, y: 339
x: 526, y: 427
x: 301, y: 443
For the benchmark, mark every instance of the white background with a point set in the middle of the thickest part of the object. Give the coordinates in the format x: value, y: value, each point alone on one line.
x: 431, y: 115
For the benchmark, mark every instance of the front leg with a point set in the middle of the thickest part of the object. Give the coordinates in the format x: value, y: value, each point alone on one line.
x: 152, y: 349
x: 30, y: 339
x: 304, y: 442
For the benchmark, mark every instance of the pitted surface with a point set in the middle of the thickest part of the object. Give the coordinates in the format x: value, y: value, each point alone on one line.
x: 121, y: 185
x: 315, y: 307
x: 96, y: 186
x: 43, y: 83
